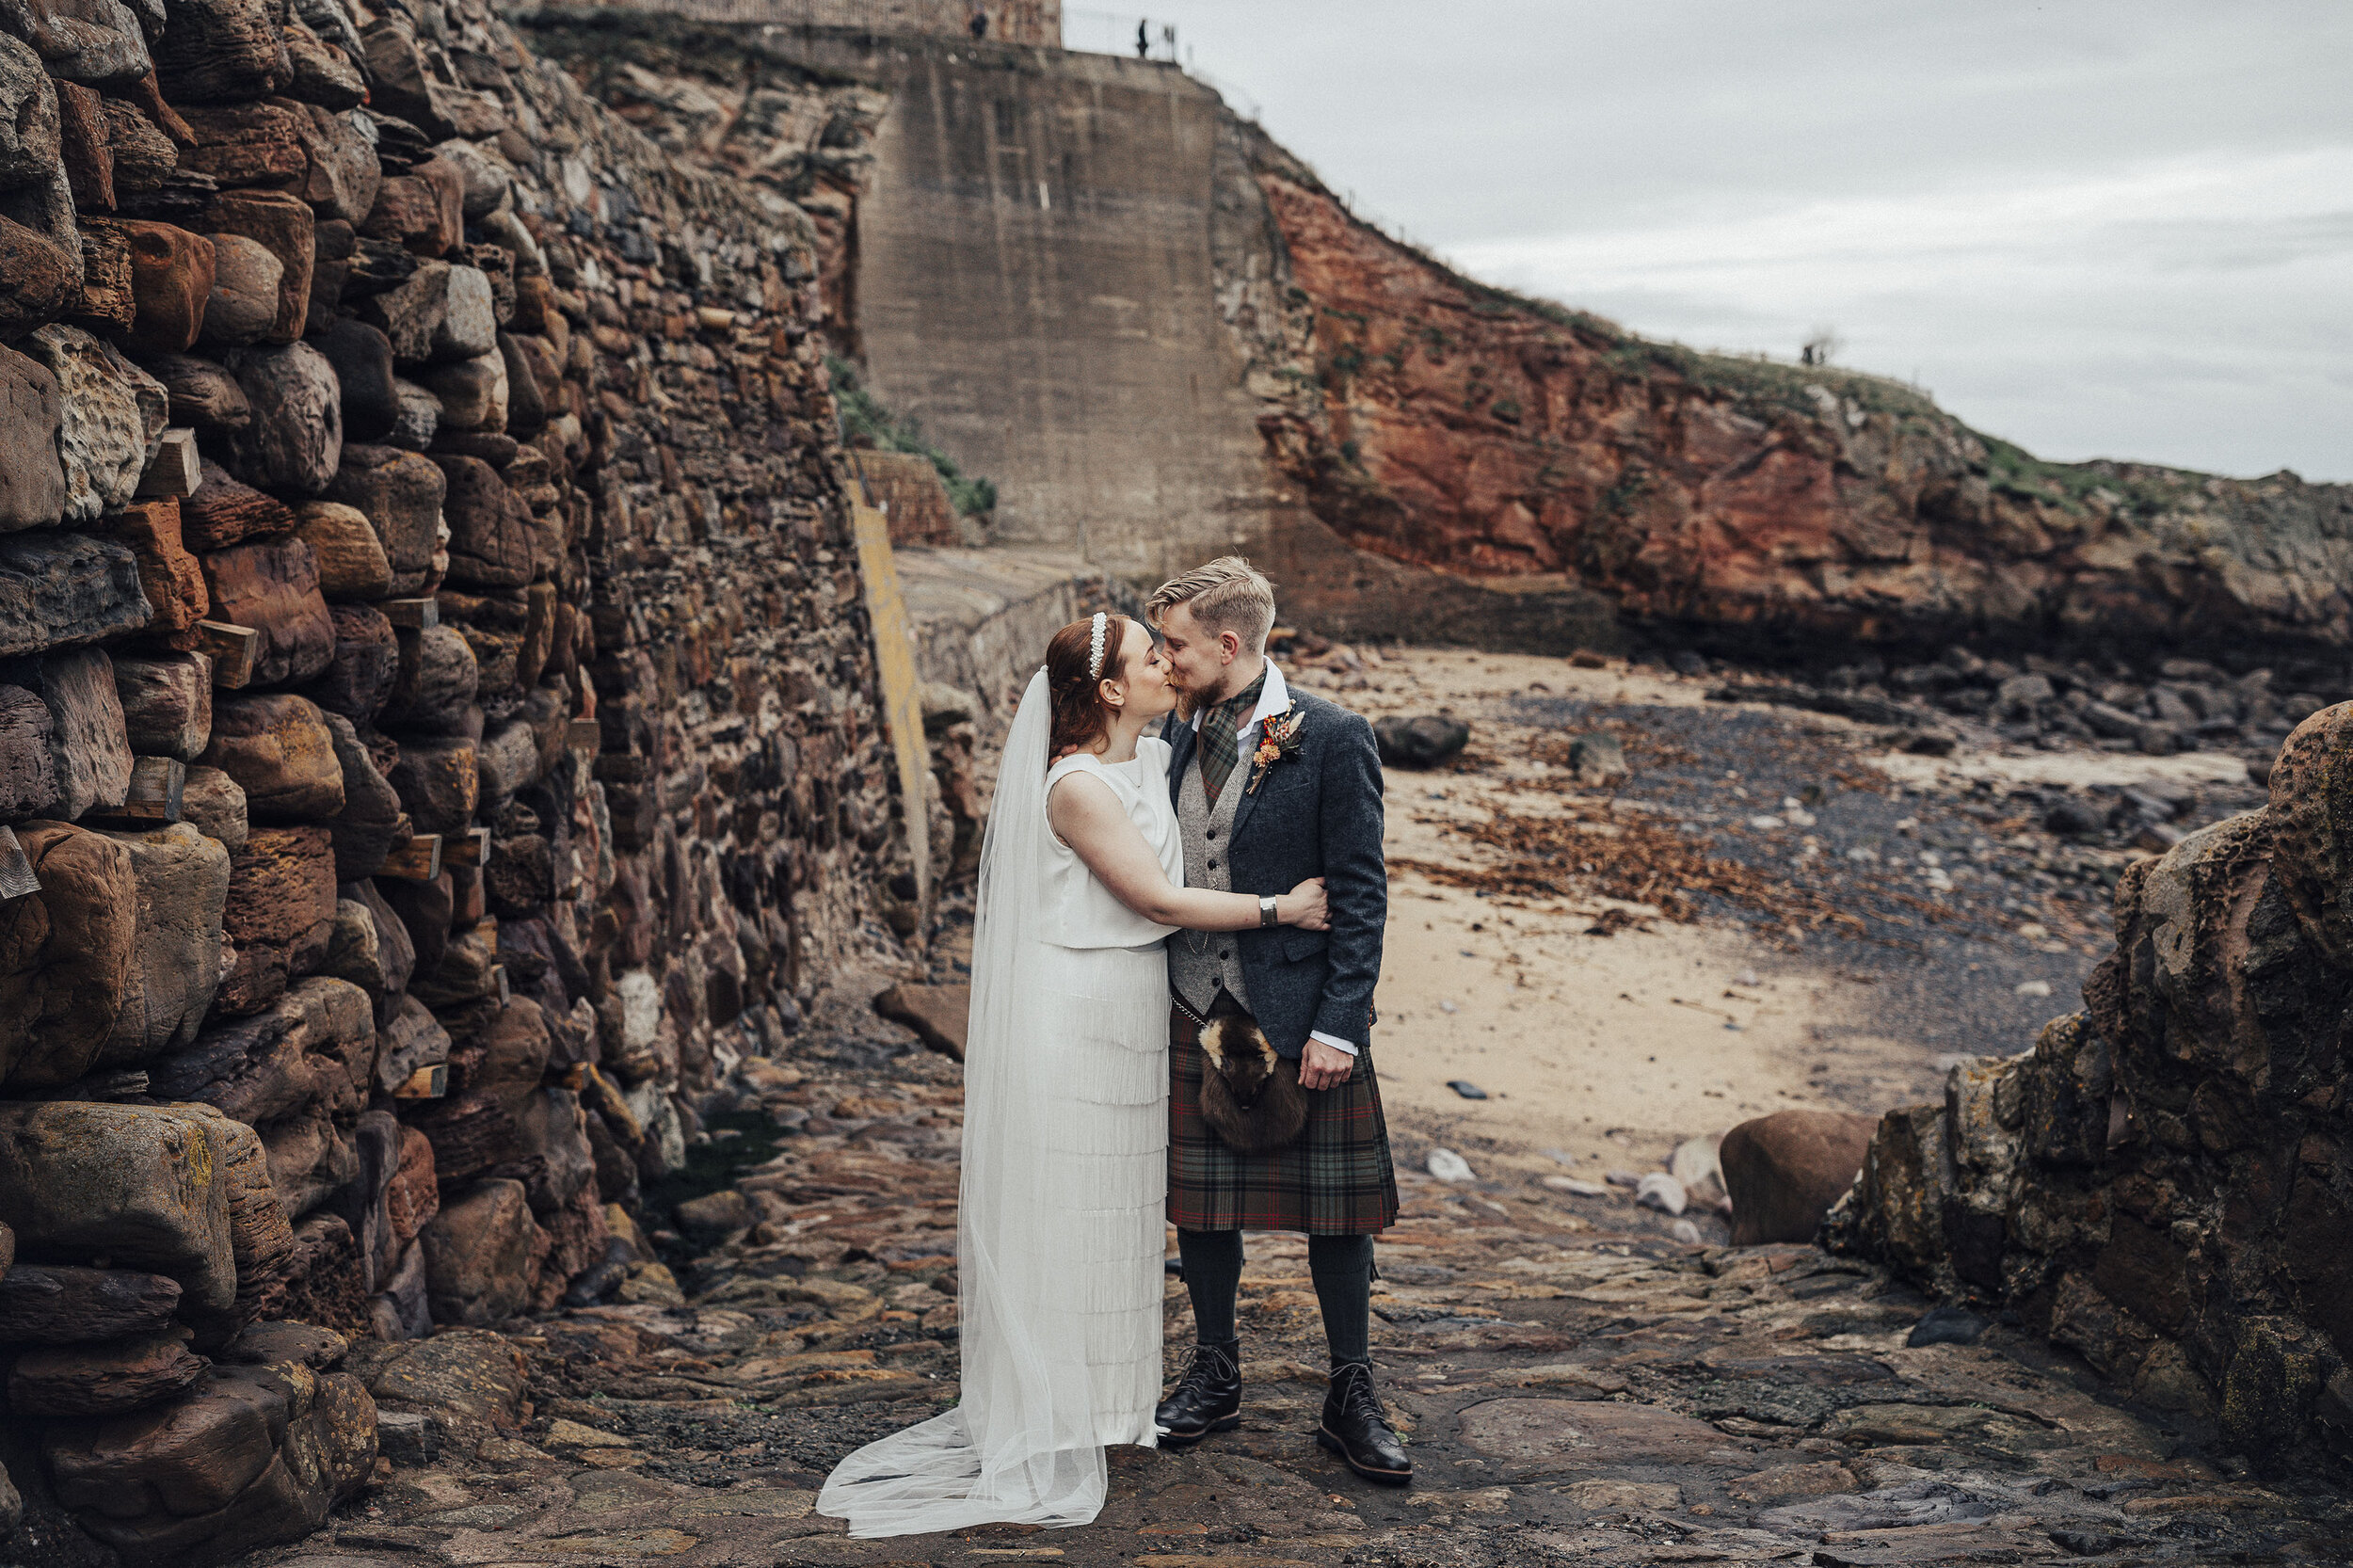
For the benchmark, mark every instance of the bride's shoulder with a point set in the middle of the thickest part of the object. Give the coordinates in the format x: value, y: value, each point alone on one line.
x: 1156, y: 749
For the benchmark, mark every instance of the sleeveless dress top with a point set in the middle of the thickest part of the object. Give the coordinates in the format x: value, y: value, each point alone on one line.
x: 1082, y: 912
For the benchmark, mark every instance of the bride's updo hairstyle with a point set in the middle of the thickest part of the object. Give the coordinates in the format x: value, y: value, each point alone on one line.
x: 1080, y: 722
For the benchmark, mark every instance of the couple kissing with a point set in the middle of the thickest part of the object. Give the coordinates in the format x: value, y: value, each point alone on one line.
x: 1175, y: 947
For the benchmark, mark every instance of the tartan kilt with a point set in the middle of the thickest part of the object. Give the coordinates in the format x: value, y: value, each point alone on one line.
x: 1334, y: 1179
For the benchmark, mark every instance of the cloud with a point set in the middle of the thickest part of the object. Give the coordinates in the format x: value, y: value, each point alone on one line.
x: 2108, y: 227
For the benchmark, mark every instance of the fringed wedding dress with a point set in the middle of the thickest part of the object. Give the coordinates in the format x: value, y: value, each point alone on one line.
x: 1059, y: 1228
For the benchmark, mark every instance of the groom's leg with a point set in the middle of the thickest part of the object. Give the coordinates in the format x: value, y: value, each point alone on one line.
x: 1208, y: 1398
x: 1341, y: 1267
x: 1212, y: 1278
x: 1354, y: 1426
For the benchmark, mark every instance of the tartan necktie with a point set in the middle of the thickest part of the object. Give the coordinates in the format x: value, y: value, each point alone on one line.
x: 1221, y: 737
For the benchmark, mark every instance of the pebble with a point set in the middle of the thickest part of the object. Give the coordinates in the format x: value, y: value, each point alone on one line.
x: 1686, y: 1232
x: 1448, y: 1166
x: 1575, y: 1187
x: 1659, y: 1190
x: 2034, y: 987
x: 1465, y: 1088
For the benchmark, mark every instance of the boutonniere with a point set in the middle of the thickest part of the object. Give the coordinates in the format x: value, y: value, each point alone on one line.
x: 1278, y: 741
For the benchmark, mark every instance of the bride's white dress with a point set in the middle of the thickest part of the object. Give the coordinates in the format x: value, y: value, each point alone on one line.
x: 1059, y: 1230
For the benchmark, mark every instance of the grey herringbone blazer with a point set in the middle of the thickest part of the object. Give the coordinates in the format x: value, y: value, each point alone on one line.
x: 1316, y: 814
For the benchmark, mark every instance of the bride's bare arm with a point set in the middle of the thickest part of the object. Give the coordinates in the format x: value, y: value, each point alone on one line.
x: 1087, y: 817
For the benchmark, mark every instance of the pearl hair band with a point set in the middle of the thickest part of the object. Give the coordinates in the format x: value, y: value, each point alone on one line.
x: 1095, y: 644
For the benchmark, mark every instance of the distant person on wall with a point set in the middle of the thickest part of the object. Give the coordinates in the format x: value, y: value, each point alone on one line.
x: 1143, y: 42
x: 979, y: 25
x: 1272, y: 787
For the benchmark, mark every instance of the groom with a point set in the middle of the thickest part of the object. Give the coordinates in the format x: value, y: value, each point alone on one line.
x: 1272, y: 787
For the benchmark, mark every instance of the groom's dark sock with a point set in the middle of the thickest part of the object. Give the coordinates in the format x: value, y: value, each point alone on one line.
x: 1213, y: 1274
x: 1341, y: 1267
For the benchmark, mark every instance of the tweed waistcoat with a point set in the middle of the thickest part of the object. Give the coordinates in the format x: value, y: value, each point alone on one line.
x: 1201, y: 961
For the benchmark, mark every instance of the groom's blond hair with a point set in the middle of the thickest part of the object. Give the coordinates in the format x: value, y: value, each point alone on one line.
x: 1227, y: 595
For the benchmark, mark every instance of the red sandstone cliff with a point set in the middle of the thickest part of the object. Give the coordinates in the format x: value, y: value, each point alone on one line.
x: 1435, y: 421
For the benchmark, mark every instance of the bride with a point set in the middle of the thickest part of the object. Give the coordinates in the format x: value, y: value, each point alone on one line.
x: 1059, y: 1230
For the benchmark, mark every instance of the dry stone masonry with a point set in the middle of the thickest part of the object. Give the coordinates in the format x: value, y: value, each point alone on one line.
x: 437, y: 725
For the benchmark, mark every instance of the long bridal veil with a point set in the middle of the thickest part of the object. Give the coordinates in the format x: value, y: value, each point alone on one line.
x: 1022, y: 1445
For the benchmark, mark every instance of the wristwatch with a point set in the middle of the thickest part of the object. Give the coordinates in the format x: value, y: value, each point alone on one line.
x: 1266, y: 911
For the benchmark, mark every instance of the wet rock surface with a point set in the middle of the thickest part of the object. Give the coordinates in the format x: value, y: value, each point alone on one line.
x: 1569, y: 1395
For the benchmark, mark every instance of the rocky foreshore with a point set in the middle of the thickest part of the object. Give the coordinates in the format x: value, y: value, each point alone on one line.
x: 1575, y: 1389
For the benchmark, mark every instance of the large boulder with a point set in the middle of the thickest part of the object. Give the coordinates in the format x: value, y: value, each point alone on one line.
x: 436, y: 684
x: 438, y: 782
x: 57, y: 1303
x: 89, y: 755
x: 221, y: 52
x: 482, y: 1255
x: 280, y: 915
x: 64, y: 589
x: 413, y: 1038
x: 28, y: 762
x: 172, y: 274
x: 211, y: 803
x: 351, y: 559
x: 361, y: 675
x: 371, y: 820
x: 281, y: 751
x: 32, y: 477
x: 65, y: 954
x: 182, y: 881
x: 204, y: 396
x: 139, y: 1185
x: 113, y: 412
x: 169, y: 574
x: 362, y: 357
x: 244, y: 302
x: 166, y: 703
x: 490, y: 527
x: 1784, y: 1171
x: 273, y: 587
x: 295, y: 441
x: 96, y: 43
x: 400, y: 493
x: 250, y: 1455
x: 105, y: 1379
x: 287, y: 229
x: 225, y: 510
x: 314, y: 1047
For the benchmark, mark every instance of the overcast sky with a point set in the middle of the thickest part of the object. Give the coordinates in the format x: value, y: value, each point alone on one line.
x: 2103, y: 228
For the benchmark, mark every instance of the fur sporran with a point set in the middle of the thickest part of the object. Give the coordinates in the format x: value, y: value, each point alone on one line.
x: 1249, y: 1096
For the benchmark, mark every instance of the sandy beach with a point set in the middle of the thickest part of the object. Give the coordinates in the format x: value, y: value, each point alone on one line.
x: 1602, y: 1051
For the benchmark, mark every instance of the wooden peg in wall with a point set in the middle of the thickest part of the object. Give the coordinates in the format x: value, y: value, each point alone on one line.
x: 231, y: 649
x: 16, y: 873
x: 175, y: 472
x: 418, y: 861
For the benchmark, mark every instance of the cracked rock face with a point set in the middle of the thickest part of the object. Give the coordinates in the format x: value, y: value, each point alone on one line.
x: 2117, y: 1185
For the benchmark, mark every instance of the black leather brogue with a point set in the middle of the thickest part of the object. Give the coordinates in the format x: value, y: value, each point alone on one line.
x: 1356, y: 1428
x: 1206, y: 1399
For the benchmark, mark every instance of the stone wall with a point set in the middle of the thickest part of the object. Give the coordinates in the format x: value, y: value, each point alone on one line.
x: 438, y: 725
x: 2165, y: 1183
x: 1034, y: 23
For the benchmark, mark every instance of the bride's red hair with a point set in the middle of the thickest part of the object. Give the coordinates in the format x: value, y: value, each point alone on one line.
x: 1081, y: 723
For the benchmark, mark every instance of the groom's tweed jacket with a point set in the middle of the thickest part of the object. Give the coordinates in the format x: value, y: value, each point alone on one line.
x: 1317, y: 814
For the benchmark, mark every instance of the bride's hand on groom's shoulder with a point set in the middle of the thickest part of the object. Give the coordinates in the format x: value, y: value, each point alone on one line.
x: 1304, y: 908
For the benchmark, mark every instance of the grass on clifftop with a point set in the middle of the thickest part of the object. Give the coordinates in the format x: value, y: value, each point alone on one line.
x: 867, y: 422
